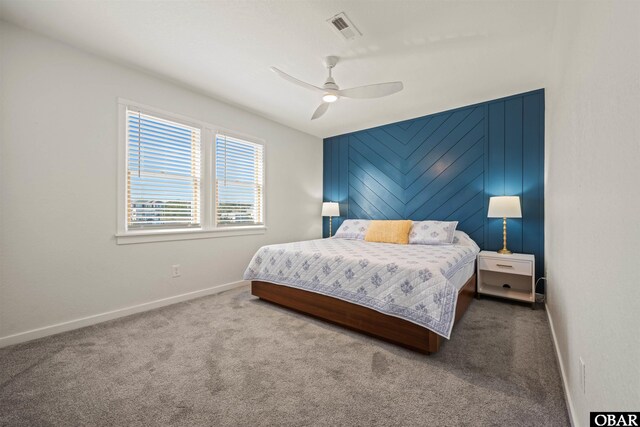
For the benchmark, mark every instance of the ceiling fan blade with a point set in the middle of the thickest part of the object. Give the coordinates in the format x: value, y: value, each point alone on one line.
x: 372, y: 91
x: 295, y: 81
x: 320, y: 110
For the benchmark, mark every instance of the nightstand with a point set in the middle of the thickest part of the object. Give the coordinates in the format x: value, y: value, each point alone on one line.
x: 507, y: 276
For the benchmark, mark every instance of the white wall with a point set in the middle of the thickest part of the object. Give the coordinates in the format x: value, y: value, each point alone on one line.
x: 60, y: 261
x: 593, y: 203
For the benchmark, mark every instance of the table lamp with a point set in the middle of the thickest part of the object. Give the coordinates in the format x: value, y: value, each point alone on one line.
x: 330, y: 209
x: 504, y: 207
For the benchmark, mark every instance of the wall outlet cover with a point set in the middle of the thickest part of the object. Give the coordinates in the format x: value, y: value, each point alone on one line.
x: 175, y: 270
x: 583, y: 376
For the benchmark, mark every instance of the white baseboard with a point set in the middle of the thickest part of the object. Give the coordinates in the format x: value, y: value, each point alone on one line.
x: 103, y: 317
x: 565, y: 383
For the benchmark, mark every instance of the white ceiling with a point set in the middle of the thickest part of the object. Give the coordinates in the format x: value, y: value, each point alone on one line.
x: 447, y: 53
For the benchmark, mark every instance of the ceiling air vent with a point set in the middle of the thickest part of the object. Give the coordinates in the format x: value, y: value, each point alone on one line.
x: 343, y: 26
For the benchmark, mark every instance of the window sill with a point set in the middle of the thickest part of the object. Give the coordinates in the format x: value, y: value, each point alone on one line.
x: 148, y: 236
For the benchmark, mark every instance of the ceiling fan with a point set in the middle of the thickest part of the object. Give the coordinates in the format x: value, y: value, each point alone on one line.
x: 331, y: 92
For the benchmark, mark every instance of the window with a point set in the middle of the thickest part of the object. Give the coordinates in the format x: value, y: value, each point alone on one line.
x: 239, y: 182
x: 163, y: 173
x: 180, y: 178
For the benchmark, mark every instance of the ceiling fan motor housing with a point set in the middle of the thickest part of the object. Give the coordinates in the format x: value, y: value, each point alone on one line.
x: 330, y: 84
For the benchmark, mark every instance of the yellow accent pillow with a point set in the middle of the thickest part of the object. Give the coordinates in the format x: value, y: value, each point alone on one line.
x: 389, y: 231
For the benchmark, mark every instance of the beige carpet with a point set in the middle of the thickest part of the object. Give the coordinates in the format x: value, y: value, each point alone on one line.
x: 230, y: 359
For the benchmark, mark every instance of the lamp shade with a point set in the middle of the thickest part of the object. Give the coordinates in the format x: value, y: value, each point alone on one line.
x: 504, y: 207
x: 330, y: 209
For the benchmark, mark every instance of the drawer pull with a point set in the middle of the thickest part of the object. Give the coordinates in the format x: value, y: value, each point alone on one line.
x: 505, y: 265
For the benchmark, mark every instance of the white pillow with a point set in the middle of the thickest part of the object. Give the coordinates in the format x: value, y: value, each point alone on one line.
x: 432, y: 232
x: 353, y: 229
x: 461, y: 238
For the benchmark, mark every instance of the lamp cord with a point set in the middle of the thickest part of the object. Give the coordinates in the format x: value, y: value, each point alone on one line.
x: 544, y: 296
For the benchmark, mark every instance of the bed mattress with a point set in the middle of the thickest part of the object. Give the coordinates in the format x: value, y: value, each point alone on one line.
x: 418, y: 283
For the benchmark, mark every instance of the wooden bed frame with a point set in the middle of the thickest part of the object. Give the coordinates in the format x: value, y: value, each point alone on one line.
x: 362, y: 319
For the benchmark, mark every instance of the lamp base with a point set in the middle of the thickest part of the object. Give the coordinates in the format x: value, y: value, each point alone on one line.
x: 504, y: 250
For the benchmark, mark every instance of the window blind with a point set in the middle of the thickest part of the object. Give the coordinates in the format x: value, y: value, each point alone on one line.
x: 163, y: 173
x: 239, y: 182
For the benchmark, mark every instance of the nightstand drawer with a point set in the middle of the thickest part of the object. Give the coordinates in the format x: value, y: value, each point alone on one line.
x: 505, y: 266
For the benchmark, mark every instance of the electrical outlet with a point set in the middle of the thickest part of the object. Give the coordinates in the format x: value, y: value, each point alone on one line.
x: 175, y: 270
x: 583, y: 376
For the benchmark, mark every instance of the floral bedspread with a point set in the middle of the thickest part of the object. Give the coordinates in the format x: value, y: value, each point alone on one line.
x: 406, y: 281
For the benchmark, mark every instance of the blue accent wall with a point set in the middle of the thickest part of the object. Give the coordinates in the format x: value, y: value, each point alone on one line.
x: 445, y: 166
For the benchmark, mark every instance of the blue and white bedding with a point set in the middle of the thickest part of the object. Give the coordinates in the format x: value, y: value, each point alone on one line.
x: 412, y: 282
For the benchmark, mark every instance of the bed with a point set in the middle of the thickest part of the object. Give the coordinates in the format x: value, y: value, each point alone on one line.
x: 407, y: 294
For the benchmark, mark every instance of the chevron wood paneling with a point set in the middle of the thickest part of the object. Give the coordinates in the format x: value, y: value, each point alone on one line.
x: 445, y: 167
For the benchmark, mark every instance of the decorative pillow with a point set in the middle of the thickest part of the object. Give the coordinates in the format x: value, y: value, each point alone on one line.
x: 353, y: 229
x: 432, y: 232
x: 389, y: 232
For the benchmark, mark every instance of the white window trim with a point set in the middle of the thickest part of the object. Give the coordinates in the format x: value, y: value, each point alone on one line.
x: 208, y: 228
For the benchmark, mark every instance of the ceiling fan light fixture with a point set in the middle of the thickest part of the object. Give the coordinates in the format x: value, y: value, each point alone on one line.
x: 329, y: 97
